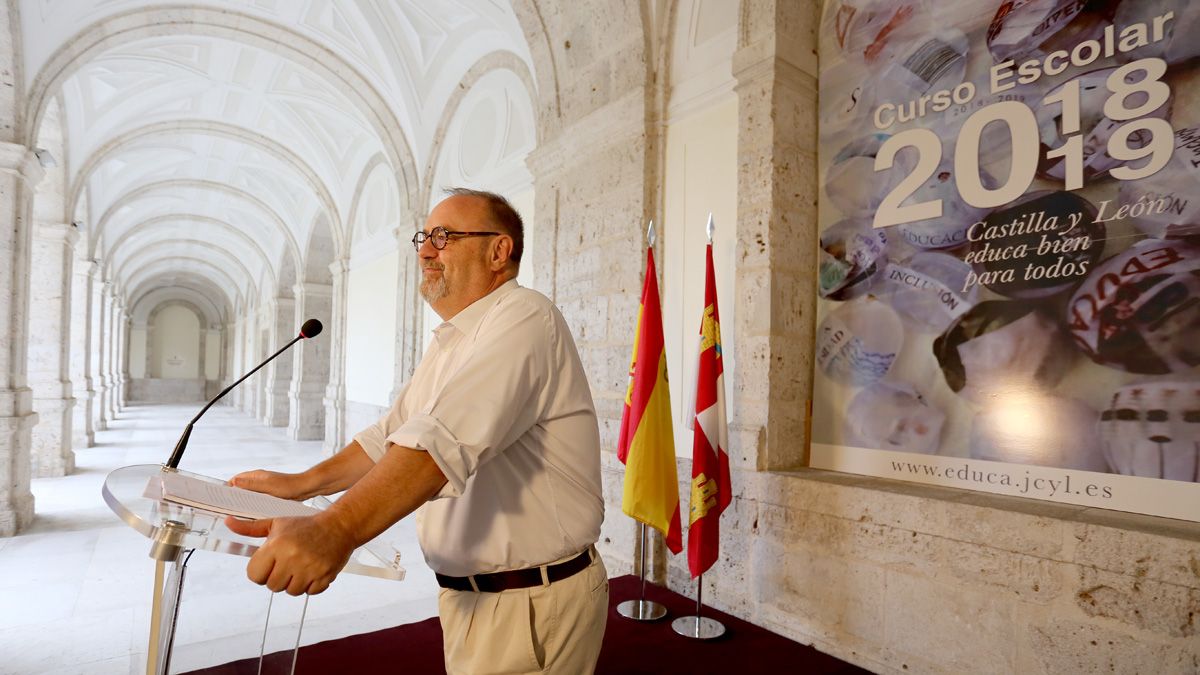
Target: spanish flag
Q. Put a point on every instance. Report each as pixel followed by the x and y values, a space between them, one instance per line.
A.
pixel 647 445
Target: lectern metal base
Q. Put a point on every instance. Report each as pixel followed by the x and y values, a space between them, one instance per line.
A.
pixel 641 610
pixel 698 627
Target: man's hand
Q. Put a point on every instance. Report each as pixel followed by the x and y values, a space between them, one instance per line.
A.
pixel 300 555
pixel 283 485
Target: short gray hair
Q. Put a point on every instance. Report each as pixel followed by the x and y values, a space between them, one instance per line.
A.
pixel 503 216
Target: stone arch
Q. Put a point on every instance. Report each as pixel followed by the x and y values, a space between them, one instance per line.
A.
pixel 142 305
pixel 360 188
pixel 499 60
pixel 227 257
pixel 545 65
pixel 218 129
pixel 131 26
pixel 273 218
pixel 156 270
pixel 286 281
pixel 250 244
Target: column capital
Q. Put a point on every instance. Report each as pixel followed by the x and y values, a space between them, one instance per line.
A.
pixel 339 267
pixel 20 160
pixel 312 288
pixel 86 268
pixel 759 63
pixel 67 233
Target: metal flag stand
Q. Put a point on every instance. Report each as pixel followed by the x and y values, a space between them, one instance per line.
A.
pixel 642 609
pixel 698 627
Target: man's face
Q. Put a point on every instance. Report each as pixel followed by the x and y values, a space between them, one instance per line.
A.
pixel 456 276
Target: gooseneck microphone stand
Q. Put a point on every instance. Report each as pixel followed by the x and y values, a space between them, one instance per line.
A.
pixel 311 328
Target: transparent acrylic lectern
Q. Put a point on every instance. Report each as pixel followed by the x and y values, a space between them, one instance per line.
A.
pixel 176 531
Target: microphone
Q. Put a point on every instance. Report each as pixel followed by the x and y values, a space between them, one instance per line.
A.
pixel 309 329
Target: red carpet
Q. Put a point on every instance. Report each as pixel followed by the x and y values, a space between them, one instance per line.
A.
pixel 630 647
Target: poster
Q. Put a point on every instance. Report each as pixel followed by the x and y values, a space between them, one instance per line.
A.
pixel 1009 263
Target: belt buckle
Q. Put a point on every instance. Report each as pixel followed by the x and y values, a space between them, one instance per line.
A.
pixel 471 580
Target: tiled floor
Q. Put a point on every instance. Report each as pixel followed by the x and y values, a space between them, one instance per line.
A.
pixel 75 586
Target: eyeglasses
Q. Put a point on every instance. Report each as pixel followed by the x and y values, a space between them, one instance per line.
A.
pixel 440 236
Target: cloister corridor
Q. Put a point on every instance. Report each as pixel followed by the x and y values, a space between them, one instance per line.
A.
pixel 78 571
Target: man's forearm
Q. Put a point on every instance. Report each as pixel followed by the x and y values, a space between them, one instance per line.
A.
pixel 401 481
pixel 339 472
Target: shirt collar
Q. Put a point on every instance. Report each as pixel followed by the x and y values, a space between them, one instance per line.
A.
pixel 468 319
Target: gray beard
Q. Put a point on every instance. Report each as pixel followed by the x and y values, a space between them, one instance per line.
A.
pixel 434 289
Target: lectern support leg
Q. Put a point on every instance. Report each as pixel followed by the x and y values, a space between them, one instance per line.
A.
pixel 164 603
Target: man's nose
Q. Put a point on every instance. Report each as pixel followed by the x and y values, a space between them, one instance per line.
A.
pixel 426 250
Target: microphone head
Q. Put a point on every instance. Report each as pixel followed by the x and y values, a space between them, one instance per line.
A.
pixel 311 328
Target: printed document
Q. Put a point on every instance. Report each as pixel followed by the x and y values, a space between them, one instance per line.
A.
pixel 219 498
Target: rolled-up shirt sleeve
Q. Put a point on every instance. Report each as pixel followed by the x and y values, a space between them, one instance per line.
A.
pixel 374 439
pixel 490 399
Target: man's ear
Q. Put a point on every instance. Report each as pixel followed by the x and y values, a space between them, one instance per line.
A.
pixel 501 252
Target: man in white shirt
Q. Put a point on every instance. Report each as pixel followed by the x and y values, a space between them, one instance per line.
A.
pixel 496 434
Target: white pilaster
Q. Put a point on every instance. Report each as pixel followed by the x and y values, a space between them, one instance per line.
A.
pixel 310 365
pixel 19 175
pixel 279 372
pixel 335 390
pixel 83 434
pixel 52 255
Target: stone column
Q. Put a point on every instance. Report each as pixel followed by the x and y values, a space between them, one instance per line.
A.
pixel 202 361
pixel 249 349
pixel 239 346
pixel 53 252
pixel 263 329
pixel 96 346
pixel 19 175
pixel 279 371
pixel 113 331
pixel 335 391
pixel 83 435
pixel 120 354
pixel 409 311
pixel 777 215
pixel 310 365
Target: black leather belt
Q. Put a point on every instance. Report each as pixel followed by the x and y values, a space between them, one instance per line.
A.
pixel 526 578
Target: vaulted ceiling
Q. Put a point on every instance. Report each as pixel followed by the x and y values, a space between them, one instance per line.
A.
pixel 206 143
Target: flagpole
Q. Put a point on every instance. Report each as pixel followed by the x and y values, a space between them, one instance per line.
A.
pixel 642 609
pixel 699 627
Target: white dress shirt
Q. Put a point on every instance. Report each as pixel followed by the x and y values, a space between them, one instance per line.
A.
pixel 501 403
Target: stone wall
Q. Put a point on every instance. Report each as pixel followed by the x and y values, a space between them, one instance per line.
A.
pixel 174 390
pixel 905 578
pixel 892 576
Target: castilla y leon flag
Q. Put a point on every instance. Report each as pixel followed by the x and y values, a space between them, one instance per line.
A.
pixel 646 445
pixel 710 460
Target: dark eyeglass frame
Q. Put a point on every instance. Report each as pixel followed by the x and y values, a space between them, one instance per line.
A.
pixel 443 235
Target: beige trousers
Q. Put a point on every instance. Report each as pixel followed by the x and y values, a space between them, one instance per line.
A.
pixel 544 629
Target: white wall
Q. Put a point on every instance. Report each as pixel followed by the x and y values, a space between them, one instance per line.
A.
pixel 701 177
pixel 523 203
pixel 371 328
pixel 137 352
pixel 176 349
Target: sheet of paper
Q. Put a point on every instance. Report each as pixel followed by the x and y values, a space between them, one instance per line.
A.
pixel 233 501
